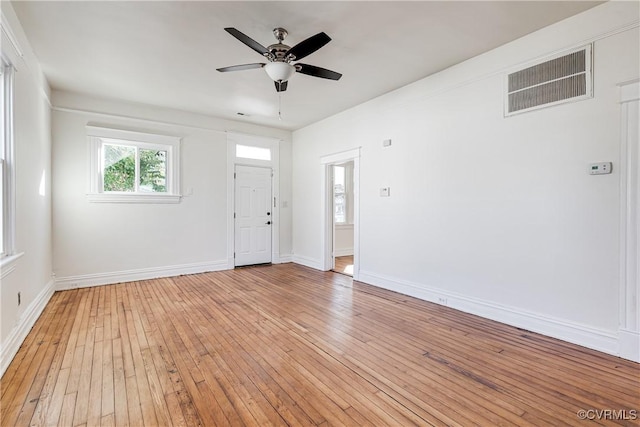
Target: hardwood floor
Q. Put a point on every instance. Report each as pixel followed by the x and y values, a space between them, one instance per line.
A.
pixel 344 265
pixel 287 345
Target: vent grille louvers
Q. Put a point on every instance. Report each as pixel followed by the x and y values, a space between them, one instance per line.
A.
pixel 562 79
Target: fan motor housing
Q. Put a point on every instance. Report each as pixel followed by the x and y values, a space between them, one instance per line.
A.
pixel 279 51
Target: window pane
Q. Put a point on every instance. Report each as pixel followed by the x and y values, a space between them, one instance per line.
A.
pixel 250 152
pixel 338 177
pixel 340 213
pixel 339 200
pixel 119 168
pixel 153 171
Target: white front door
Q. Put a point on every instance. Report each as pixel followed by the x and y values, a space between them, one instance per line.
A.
pixel 253 215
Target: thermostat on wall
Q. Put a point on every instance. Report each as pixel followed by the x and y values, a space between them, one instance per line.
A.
pixel 601 168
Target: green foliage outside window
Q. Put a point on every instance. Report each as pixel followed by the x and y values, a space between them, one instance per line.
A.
pixel 153 169
pixel 120 169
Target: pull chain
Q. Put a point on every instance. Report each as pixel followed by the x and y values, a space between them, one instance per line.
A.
pixel 279 105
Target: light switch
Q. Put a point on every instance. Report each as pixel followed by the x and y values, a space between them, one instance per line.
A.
pixel 385 192
pixel 386 143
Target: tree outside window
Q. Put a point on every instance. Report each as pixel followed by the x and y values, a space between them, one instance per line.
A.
pixel 122 164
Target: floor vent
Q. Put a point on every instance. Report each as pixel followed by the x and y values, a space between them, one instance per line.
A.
pixel 561 79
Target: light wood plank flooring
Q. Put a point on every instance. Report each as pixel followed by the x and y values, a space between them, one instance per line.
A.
pixel 344 265
pixel 287 345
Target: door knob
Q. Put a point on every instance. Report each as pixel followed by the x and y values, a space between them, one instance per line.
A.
pixel 268 222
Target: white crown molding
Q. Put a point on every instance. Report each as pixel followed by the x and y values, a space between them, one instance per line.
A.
pixel 14 340
pixel 6 29
pixel 133 118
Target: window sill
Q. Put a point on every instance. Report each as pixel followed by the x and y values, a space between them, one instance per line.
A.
pixel 133 198
pixel 8 264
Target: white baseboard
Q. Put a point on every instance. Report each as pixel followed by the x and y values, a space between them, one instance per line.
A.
pixel 343 252
pixel 629 345
pixel 108 278
pixel 282 259
pixel 583 335
pixel 24 324
pixel 307 262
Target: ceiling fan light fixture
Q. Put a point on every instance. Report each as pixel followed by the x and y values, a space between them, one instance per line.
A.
pixel 279 71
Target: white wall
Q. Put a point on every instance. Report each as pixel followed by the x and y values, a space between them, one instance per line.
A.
pixel 30 275
pixel 343 235
pixel 103 243
pixel 491 215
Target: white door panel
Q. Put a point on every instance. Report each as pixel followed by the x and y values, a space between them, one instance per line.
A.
pixel 253 216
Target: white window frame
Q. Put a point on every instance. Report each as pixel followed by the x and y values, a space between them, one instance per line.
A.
pixel 7 161
pixel 99 136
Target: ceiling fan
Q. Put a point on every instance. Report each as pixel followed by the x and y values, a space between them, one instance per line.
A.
pixel 281 58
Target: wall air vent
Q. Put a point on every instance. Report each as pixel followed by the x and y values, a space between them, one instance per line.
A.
pixel 561 79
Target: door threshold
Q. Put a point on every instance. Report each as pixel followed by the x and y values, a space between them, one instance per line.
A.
pixel 342 272
pixel 264 264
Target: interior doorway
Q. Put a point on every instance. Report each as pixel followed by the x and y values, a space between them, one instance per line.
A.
pixel 343 209
pixel 340 212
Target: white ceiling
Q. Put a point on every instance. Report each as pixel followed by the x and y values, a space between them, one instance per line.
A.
pixel 166 53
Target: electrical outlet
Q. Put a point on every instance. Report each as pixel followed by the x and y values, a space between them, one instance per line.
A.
pixel 19 299
pixel 442 301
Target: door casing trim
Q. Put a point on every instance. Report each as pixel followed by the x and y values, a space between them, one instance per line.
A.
pixel 327 207
pixel 234 138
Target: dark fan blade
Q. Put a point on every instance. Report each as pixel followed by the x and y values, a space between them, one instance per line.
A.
pixel 241 67
pixel 247 40
pixel 314 71
pixel 308 46
pixel 281 86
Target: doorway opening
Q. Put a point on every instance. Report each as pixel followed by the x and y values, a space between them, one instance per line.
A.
pixel 340 209
pixel 342 187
